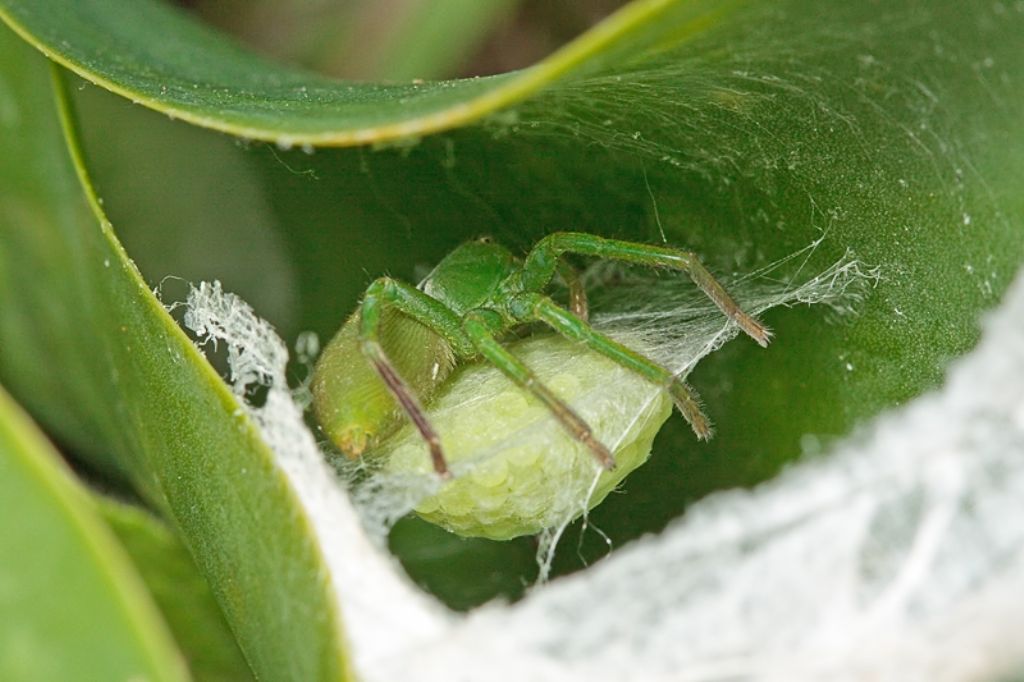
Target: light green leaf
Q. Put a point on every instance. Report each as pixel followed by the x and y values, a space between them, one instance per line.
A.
pixel 91 349
pixel 71 606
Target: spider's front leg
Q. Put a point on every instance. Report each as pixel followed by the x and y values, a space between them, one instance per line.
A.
pixel 543 260
pixel 531 307
pixel 431 313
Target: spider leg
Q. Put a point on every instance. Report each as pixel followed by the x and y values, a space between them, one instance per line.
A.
pixel 535 307
pixel 479 331
pixel 542 261
pixel 432 314
pixel 577 293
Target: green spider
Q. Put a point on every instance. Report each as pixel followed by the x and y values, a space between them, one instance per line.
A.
pixel 403 342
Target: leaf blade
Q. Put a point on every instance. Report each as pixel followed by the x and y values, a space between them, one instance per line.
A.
pixel 203 78
pixel 122 381
pixel 71 602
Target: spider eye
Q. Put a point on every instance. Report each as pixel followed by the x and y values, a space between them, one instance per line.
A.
pixel 486 239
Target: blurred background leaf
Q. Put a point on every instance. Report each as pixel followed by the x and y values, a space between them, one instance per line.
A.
pixel 363 40
pixel 405 39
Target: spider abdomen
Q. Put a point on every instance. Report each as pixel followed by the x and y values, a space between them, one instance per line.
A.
pixel 354 406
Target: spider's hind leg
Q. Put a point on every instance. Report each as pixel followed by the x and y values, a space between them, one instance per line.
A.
pixel 432 314
pixel 535 307
pixel 477 329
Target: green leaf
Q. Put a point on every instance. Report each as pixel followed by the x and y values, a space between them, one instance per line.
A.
pixel 71 606
pixel 895 131
pixel 181 594
pixel 90 349
pixel 154 54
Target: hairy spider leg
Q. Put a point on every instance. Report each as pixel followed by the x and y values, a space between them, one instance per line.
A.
pixel 536 307
pixel 577 293
pixel 477 328
pixel 432 314
pixel 542 261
